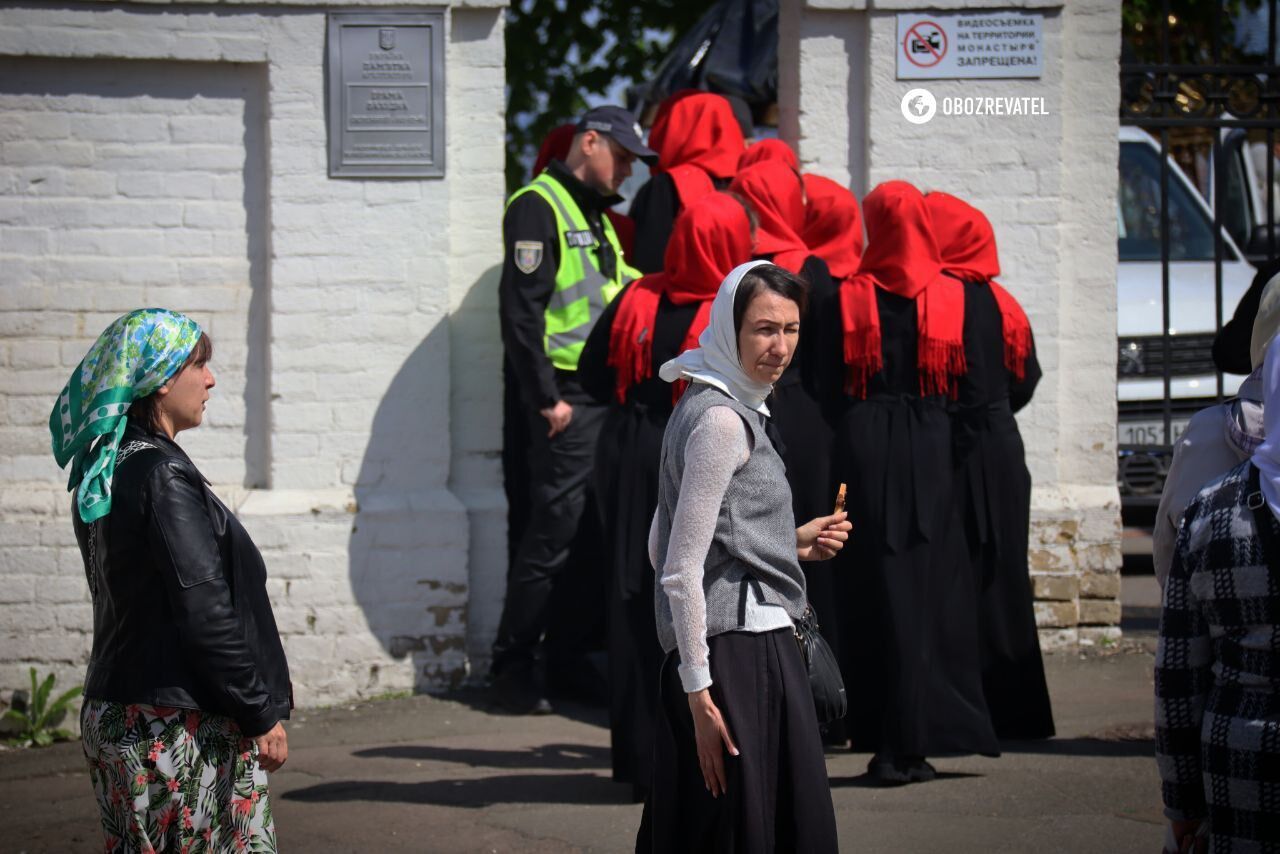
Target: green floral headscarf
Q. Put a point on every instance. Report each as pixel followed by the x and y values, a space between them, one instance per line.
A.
pixel 136 355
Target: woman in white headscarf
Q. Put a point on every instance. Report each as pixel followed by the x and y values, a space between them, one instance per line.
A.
pixel 1216 439
pixel 1217 677
pixel 738 761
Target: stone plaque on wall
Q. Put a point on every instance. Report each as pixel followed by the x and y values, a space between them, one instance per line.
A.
pixel 386 94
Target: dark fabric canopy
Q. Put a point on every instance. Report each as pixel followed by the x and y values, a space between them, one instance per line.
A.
pixel 732 50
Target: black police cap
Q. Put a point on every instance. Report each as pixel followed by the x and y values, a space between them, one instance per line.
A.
pixel 621 127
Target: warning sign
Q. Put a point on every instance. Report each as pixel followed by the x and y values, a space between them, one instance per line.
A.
pixel 973 45
pixel 925 44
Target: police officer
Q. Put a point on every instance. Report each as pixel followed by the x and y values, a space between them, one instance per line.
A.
pixel 563 264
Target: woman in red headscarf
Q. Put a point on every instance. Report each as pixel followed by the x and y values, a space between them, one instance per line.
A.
pixel 769 149
pixel 802 419
pixel 833 232
pixel 832 225
pixel 994 486
pixel 652 321
pixel 699 141
pixel 908 643
pixel 776 192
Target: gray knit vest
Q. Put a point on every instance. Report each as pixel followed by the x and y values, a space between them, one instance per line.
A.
pixel 754 548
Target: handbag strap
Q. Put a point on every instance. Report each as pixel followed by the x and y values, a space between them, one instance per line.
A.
pixel 1264 521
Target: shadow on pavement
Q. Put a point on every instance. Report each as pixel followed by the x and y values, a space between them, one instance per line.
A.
pixel 866 781
pixel 565 757
pixel 477 699
pixel 584 789
pixel 1107 748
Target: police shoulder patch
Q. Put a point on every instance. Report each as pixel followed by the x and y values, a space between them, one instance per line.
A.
pixel 528 255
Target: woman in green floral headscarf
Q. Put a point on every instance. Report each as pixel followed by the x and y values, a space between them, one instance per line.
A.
pixel 187 684
pixel 136 355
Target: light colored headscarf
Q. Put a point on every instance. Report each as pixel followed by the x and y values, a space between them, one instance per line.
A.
pixel 133 357
pixel 1267 321
pixel 715 362
pixel 1267 457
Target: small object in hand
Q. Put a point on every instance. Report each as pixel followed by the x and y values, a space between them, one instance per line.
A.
pixel 840 498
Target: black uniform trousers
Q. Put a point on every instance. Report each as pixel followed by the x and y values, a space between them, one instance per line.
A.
pixel 559 474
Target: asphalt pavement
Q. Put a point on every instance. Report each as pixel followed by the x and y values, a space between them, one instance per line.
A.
pixel 444 774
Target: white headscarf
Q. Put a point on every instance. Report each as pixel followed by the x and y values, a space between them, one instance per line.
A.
pixel 1267 457
pixel 715 361
pixel 1266 322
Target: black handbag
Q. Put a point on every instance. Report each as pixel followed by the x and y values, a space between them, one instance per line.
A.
pixel 829 699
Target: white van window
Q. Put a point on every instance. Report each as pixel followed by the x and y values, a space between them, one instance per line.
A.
pixel 1190 231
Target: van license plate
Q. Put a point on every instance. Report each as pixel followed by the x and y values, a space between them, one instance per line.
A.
pixel 1150 432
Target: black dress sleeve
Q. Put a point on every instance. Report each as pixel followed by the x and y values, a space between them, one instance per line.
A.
pixel 594 373
pixel 523 295
pixel 654 210
pixel 1231 345
pixel 182 543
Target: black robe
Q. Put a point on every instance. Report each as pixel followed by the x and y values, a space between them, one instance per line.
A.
pixel 908 642
pixel 994 495
pixel 801 421
pixel 626 487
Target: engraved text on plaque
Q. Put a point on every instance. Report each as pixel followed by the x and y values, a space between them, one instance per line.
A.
pixel 386 94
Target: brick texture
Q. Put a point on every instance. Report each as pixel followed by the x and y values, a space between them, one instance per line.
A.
pixel 1047 183
pixel 177 156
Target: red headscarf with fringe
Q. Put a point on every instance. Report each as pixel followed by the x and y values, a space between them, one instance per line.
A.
pixel 902 258
pixel 769 149
pixel 556 147
pixel 775 192
pixel 832 225
pixel 967 243
pixel 697 139
pixel 709 239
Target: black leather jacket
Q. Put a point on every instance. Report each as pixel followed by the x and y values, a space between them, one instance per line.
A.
pixel 181 616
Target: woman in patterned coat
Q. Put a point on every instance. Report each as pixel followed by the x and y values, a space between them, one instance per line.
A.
pixel 187 683
pixel 1217 679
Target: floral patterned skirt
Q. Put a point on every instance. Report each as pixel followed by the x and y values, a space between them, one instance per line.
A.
pixel 175 780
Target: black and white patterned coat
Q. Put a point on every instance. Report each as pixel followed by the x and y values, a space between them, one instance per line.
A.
pixel 1217 675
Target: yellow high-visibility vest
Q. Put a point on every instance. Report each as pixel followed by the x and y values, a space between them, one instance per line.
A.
pixel 582 290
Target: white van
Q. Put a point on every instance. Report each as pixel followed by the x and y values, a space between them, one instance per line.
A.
pixel 1144 449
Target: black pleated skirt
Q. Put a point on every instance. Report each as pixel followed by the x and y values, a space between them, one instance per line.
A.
pixel 778 797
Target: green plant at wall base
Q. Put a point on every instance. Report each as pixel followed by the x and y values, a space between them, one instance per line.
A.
pixel 36 720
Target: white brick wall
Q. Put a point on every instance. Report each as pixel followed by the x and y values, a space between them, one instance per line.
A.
pixel 186 165
pixel 1047 183
pixel 107 216
pixel 476 77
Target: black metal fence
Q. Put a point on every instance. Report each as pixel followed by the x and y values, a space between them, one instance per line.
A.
pixel 1211 129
